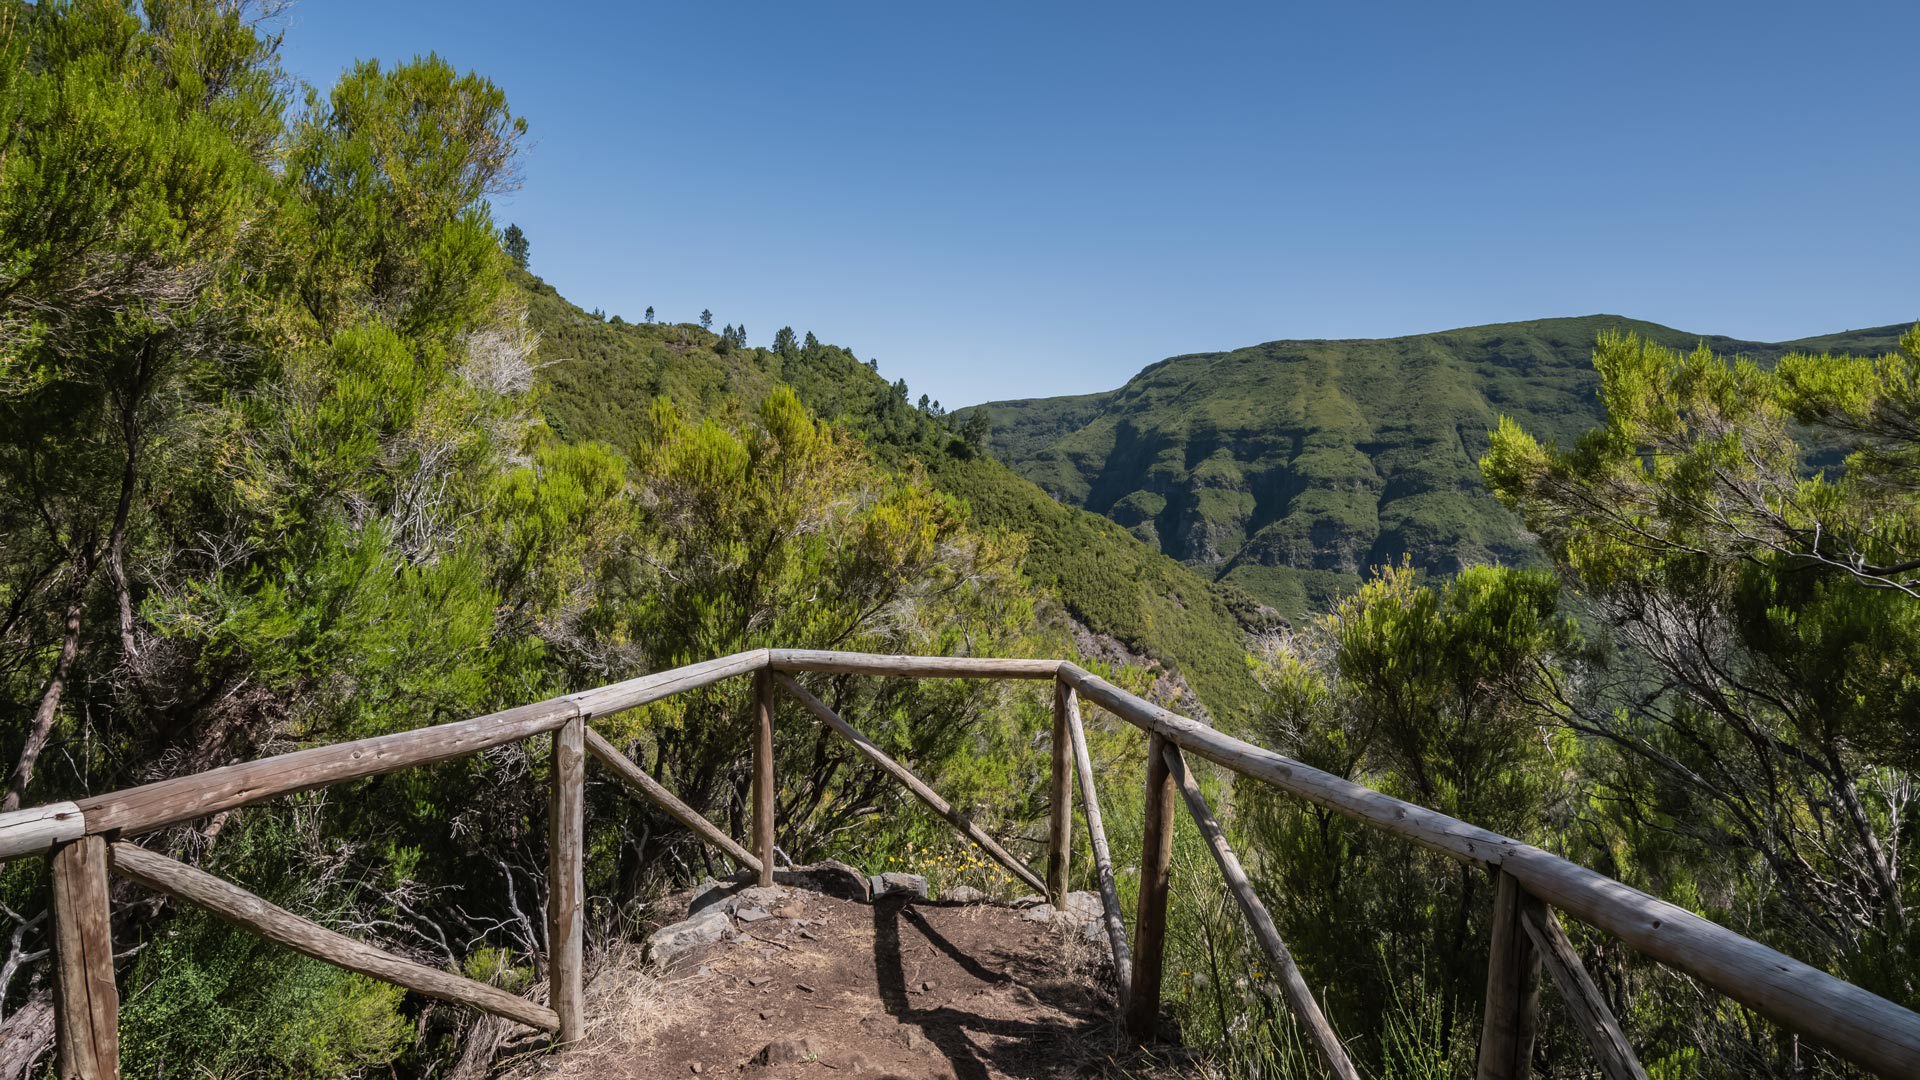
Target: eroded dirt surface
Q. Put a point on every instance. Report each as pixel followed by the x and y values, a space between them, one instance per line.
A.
pixel 806 985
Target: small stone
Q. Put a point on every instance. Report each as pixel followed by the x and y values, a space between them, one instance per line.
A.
pixel 1028 900
pixel 787 911
pixel 763 1015
pixel 916 1041
pixel 803 987
pixel 751 914
pixel 783 1052
pixel 925 986
pixel 962 894
pixel 696 1067
pixel 809 935
pixel 1041 912
pixel 759 980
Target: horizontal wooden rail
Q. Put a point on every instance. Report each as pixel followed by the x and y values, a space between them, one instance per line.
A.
pixel 636 777
pixel 183 798
pixel 36 829
pixel 918 667
pixel 913 783
pixel 633 693
pixel 1862 1027
pixel 242 908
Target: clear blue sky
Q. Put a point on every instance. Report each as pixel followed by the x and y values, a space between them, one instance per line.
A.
pixel 1022 199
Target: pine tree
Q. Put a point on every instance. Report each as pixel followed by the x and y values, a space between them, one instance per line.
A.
pixel 515 242
pixel 649 315
pixel 706 319
pixel 978 427
pixel 812 342
pixel 783 341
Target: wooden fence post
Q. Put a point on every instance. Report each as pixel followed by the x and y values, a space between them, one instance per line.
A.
pixel 1513 990
pixel 1060 832
pixel 1584 1001
pixel 1150 917
pixel 86 1001
pixel 763 775
pixel 566 921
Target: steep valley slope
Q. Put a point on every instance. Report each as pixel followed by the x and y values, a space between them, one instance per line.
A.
pixel 1126 600
pixel 1292 467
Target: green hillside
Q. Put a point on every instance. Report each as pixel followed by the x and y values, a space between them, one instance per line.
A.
pixel 599 374
pixel 1292 467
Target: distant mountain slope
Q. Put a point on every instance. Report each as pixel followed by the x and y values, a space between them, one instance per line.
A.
pixel 600 375
pixel 1291 467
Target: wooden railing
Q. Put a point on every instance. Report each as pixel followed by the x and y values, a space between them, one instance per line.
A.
pixel 88 840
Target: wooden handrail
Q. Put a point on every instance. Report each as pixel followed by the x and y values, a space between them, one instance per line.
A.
pixel 183 798
pixel 1861 1027
pixel 915 667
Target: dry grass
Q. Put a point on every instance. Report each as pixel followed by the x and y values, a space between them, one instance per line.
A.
pixel 628 1006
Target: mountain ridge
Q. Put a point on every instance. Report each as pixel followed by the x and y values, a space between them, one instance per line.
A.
pixel 1292 466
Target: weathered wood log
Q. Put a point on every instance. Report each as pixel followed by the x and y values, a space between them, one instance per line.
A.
pixel 636 778
pixel 243 909
pixel 1428 828
pixel 1293 985
pixel 919 667
pixel 1862 1027
pixel 632 693
pixel 566 881
pixel 1590 1012
pixel 153 806
pixel 1150 914
pixel 913 783
pixel 763 790
pixel 86 1000
pixel 39 828
pixel 1512 1015
pixel 1060 794
pixel 1102 855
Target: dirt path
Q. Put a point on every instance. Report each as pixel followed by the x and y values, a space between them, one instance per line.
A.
pixel 806 985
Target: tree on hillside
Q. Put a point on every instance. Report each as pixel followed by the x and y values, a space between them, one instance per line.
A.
pixel 649 314
pixel 784 343
pixel 977 429
pixel 706 319
pixel 812 342
pixel 515 243
pixel 129 201
pixel 1766 620
pixel 1430 693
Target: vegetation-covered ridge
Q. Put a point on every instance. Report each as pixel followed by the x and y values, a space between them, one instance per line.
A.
pixel 600 373
pixel 1293 467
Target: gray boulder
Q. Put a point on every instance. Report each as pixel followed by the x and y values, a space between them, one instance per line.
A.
pixel 893 884
pixel 674 940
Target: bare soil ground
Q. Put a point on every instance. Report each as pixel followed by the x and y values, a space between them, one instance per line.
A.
pixel 814 986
